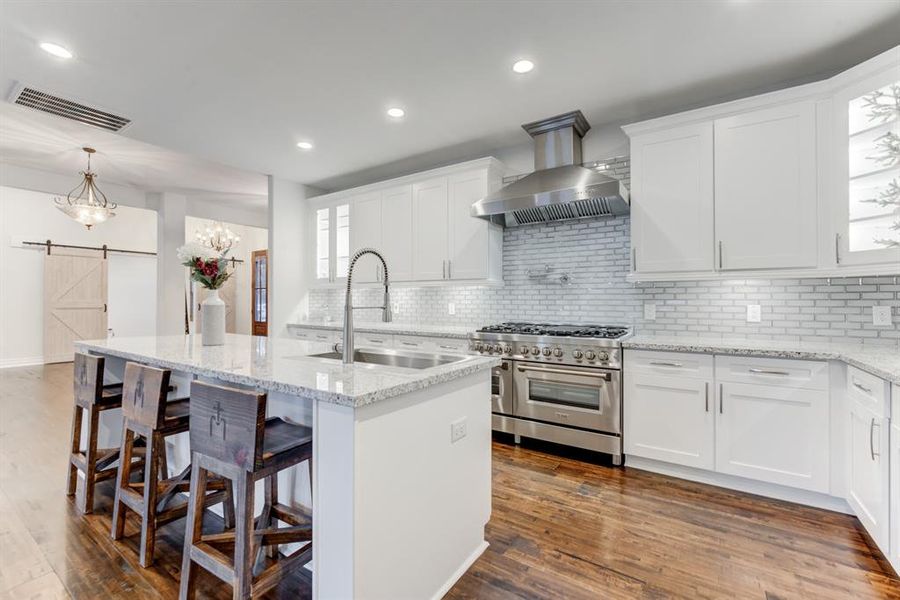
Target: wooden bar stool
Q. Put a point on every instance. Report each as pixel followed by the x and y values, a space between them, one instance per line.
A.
pixel 231 437
pixel 93 397
pixel 147 413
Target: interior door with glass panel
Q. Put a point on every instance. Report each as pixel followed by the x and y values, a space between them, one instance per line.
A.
pixel 578 397
pixel 259 291
pixel 867 117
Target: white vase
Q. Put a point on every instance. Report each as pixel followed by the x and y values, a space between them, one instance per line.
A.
pixel 212 326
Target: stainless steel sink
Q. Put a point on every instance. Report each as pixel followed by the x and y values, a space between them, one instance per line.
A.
pixel 393 358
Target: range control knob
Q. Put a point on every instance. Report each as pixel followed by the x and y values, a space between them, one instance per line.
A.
pixel 577 354
pixel 498 348
pixel 557 352
pixel 479 347
pixel 546 351
pixel 603 355
pixel 590 355
pixel 523 350
pixel 535 350
pixel 507 349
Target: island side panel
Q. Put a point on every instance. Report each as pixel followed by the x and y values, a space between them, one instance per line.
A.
pixel 333 499
pixel 421 500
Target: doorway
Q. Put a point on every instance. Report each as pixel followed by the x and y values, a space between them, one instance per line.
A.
pixel 259 283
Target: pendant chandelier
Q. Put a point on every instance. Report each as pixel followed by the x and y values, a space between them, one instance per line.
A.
pixel 218 237
pixel 86 203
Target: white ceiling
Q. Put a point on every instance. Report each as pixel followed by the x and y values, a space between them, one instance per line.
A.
pixel 242 82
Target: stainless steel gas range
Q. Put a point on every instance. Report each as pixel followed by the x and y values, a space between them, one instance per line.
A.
pixel 559 383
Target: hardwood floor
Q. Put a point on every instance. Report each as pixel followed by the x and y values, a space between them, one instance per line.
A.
pixel 561 528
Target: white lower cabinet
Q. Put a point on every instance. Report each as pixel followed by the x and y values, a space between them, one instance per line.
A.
pixel 669 418
pixel 773 433
pixel 894 517
pixel 869 489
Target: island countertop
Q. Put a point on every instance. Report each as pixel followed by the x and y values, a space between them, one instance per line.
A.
pixel 283 365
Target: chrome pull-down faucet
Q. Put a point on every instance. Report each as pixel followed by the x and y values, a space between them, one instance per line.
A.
pixel 386 315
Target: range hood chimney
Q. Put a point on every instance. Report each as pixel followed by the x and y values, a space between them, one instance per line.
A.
pixel 560 188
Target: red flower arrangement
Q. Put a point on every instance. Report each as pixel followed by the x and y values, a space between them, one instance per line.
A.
pixel 207 268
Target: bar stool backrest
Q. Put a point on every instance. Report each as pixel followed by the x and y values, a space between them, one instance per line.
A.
pixel 228 424
pixel 88 379
pixel 144 392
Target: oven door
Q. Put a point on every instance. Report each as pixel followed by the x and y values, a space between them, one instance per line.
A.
pixel 502 388
pixel 588 398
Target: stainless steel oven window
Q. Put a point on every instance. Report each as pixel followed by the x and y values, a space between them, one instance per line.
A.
pixel 567 394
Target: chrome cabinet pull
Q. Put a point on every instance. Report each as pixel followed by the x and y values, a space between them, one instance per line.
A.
pixel 872 440
pixel 721 399
pixel 707 396
pixel 448 347
pixel 720 254
pixel 605 376
pixel 410 344
pixel 837 248
pixel 443 269
pixel 449 265
pixel 862 387
pixel 634 259
pixel 768 372
pixel 666 364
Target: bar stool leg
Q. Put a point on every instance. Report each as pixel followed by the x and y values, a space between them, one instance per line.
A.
pixel 148 520
pixel 122 479
pixel 243 539
pixel 193 529
pixel 90 457
pixel 228 505
pixel 72 477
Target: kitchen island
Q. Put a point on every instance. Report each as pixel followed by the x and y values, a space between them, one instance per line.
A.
pixel 401 486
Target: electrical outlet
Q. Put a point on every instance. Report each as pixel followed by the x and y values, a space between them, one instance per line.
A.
pixel 451 308
pixel 396 308
pixel 649 311
pixel 754 313
pixel 881 316
pixel 458 430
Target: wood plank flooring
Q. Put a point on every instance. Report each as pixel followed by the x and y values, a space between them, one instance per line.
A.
pixel 562 527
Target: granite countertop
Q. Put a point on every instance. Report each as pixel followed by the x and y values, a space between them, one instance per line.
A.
pixel 883 361
pixel 429 329
pixel 283 365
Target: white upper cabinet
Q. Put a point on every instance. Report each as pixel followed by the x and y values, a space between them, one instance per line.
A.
pixel 422 224
pixel 765 188
pixel 397 228
pixel 430 235
pixel 365 232
pixel 672 207
pixel 867 167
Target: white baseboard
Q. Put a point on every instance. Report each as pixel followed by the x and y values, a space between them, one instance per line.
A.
pixel 27 361
pixel 442 591
pixel 760 488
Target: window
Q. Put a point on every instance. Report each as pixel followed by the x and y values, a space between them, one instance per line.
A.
pixel 323 242
pixel 332 242
pixel 260 292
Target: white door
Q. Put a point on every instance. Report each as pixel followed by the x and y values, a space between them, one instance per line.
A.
pixel 397 231
pixel 868 495
pixel 765 188
pixel 894 518
pixel 75 291
pixel 365 232
pixel 773 433
pixel 430 229
pixel 672 200
pixel 468 236
pixel 669 418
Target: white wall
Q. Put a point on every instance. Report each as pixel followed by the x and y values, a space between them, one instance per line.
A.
pixel 252 239
pixel 31 215
pixel 131 295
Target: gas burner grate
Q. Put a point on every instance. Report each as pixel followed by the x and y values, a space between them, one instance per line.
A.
pixel 548 329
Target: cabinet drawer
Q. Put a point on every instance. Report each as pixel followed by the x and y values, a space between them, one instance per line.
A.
pixel 807 374
pixel 686 364
pixel 302 334
pixel 448 345
pixel 373 340
pixel 412 342
pixel 871 391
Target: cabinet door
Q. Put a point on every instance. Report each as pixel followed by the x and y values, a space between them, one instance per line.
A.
pixel 430 229
pixel 894 555
pixel 365 232
pixel 773 433
pixel 766 188
pixel 468 236
pixel 669 418
pixel 869 476
pixel 397 231
pixel 672 200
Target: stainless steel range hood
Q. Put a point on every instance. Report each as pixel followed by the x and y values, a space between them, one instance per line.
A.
pixel 560 188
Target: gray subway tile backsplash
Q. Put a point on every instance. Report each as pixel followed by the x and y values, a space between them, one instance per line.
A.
pixel 595 255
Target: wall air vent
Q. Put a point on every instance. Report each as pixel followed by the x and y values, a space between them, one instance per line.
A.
pixel 48 103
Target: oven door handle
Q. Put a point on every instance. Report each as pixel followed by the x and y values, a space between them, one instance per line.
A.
pixel 605 376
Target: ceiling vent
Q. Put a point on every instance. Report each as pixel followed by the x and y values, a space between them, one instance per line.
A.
pixel 48 103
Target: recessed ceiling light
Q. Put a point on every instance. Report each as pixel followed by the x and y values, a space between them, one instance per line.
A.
pixel 55 50
pixel 396 113
pixel 523 66
pixel 305 145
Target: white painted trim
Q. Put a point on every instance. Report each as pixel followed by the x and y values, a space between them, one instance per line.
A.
pixel 835 272
pixel 488 162
pixel 476 554
pixel 341 284
pixel 759 488
pixel 28 361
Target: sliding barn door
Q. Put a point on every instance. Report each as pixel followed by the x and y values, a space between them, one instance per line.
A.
pixel 75 286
